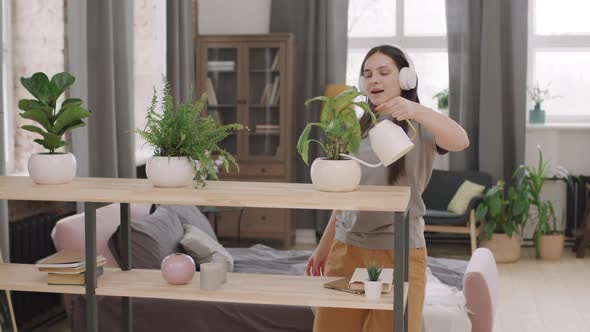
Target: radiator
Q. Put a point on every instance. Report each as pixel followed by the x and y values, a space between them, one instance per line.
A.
pixel 30 240
pixel 577 196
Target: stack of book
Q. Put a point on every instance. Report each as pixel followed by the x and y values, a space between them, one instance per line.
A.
pixel 67 267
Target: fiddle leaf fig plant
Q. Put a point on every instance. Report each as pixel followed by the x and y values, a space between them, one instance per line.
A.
pixel 339 124
pixel 53 123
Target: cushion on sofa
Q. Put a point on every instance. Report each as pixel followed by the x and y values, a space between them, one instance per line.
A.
pixel 437 217
pixel 190 214
pixel 202 247
pixel 153 237
pixel 466 192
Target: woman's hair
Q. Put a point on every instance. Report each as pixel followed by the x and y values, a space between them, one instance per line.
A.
pixel 397 168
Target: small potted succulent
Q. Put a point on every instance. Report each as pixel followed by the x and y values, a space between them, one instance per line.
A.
pixel 185 142
pixel 373 285
pixel 341 135
pixel 52 167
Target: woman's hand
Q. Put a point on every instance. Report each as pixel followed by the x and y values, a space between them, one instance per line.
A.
pixel 316 264
pixel 400 108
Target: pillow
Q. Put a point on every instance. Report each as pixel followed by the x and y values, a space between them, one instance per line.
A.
pixel 190 214
pixel 153 237
pixel 467 191
pixel 201 247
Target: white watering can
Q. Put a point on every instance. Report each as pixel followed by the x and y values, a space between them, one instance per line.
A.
pixel 388 141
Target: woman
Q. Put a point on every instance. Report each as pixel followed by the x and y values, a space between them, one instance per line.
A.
pixel 352 238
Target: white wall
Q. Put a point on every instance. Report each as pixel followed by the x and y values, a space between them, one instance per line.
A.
pixel 565 145
pixel 233 16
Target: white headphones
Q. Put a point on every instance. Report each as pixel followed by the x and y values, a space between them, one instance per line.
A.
pixel 408 78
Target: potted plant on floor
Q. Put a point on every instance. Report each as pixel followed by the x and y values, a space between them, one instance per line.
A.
pixel 504 211
pixel 548 239
pixel 341 135
pixel 184 142
pixel 51 167
pixel 373 285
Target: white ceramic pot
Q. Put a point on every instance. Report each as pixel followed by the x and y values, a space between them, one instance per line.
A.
pixel 169 172
pixel 373 289
pixel 52 168
pixel 335 175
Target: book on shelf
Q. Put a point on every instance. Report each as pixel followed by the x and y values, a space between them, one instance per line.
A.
pixel 265 93
pixel 355 283
pixel 100 261
pixel 211 95
pixel 65 259
pixel 274 94
pixel 71 279
pixel 275 62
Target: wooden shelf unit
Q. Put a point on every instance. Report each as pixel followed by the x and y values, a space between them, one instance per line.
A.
pixel 242 288
pixel 259 90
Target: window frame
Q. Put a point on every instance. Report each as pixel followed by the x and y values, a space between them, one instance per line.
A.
pixel 8 91
pixel 548 43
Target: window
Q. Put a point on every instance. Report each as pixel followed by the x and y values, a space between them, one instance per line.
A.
pixel 418 26
pixel 559 34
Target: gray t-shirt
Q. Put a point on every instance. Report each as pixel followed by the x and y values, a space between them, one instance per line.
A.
pixel 374 230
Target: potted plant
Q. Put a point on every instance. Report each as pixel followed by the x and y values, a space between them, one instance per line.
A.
pixel 442 99
pixel 51 167
pixel 548 239
pixel 504 210
pixel 373 285
pixel 184 142
pixel 538 95
pixel 341 135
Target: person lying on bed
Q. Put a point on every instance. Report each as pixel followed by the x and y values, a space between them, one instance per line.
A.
pixel 351 238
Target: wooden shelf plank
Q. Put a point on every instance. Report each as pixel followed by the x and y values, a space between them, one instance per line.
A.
pixel 240 288
pixel 216 193
pixel 26 277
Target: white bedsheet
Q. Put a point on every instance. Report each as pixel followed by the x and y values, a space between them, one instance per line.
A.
pixel 444 308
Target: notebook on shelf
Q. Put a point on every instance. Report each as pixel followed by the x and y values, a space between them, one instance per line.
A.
pixel 65 259
pixel 355 283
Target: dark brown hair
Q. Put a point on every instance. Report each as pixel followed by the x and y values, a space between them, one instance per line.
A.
pixel 397 168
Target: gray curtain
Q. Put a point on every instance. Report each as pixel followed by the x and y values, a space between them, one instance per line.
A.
pixel 180 53
pixel 4 234
pixel 100 56
pixel 487 82
pixel 320 29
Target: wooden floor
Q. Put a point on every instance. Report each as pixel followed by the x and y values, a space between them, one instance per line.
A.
pixel 544 296
pixel 535 296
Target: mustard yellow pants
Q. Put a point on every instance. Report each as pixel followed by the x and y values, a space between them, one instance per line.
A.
pixel 342 261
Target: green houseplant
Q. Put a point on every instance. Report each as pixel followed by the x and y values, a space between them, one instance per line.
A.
pixel 184 141
pixel 538 96
pixel 442 99
pixel 341 134
pixel 505 212
pixel 52 167
pixel 548 239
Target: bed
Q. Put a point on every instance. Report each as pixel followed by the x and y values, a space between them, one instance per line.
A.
pixel 460 295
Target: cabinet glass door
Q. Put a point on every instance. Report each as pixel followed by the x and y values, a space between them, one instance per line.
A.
pixel 222 87
pixel 264 102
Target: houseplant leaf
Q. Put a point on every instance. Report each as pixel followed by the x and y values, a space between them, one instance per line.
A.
pixel 38 86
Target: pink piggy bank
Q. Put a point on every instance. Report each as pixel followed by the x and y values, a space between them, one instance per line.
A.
pixel 178 269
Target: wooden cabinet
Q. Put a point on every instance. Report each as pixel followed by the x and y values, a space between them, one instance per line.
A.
pixel 250 80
